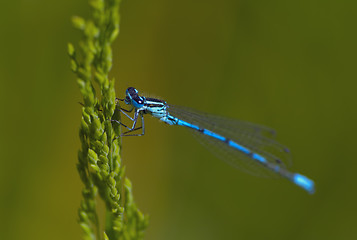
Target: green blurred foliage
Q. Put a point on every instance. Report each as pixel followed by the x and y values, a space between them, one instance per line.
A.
pixel 289 65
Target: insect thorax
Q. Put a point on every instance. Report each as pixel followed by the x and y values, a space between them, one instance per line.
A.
pixel 155 107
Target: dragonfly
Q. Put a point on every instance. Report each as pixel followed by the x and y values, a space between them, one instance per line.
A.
pixel 244 145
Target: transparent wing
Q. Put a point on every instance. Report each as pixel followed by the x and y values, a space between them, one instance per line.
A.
pixel 257 138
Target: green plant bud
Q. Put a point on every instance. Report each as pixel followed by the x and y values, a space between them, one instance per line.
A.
pixel 91 30
pixel 98 146
pixel 71 50
pixel 105 150
pixel 103 159
pixel 94 167
pixel 78 22
pixel 74 66
pixel 93 157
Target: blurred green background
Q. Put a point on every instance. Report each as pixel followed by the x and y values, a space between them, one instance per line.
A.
pixel 290 65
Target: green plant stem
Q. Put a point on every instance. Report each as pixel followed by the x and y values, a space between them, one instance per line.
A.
pixel 99 163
